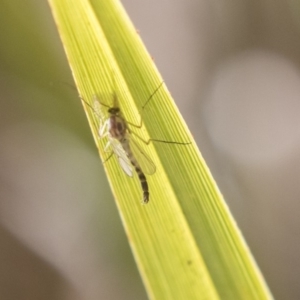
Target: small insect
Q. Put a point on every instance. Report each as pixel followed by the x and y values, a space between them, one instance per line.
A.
pixel 129 154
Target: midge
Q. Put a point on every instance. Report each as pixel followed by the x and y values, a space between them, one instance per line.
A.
pixel 125 148
pixel 115 127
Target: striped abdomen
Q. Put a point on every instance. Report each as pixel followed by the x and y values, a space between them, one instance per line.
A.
pixel 138 170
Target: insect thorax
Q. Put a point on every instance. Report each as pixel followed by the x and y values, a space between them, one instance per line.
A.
pixel 117 127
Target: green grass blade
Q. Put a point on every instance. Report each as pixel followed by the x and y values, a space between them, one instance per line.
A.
pixel 185 242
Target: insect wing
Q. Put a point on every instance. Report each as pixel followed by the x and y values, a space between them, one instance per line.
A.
pixel 99 110
pixel 100 113
pixel 122 156
pixel 145 162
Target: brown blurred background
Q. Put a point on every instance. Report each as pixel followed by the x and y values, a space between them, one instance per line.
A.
pixel 232 68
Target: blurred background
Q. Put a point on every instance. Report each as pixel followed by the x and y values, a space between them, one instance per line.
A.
pixel 233 70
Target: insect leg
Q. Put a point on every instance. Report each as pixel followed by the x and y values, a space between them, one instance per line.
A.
pixel 109 157
pixel 147 142
pixel 143 107
pixel 155 91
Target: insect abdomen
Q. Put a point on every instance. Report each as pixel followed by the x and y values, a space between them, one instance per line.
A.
pixel 144 184
pixel 139 171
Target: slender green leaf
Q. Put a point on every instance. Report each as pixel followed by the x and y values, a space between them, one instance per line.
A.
pixel 185 242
